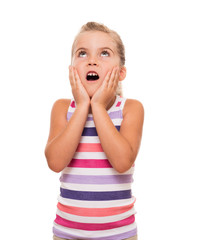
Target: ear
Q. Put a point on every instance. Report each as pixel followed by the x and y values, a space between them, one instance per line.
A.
pixel 123 72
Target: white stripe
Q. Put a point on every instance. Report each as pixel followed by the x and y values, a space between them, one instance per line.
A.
pixel 89 139
pixel 94 171
pixel 107 219
pixel 122 103
pixel 96 188
pixel 71 110
pixel 95 204
pixel 90 155
pixel 104 233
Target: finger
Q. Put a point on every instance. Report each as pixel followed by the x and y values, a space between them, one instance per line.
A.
pixel 71 76
pixel 107 77
pixel 115 83
pixel 112 78
pixel 77 78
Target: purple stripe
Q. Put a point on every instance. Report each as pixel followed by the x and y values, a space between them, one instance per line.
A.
pixel 69 114
pixel 95 196
pixel 129 234
pixel 90 119
pixel 116 114
pixel 91 131
pixel 112 115
pixel 104 179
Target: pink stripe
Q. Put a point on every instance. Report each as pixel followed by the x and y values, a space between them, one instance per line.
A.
pixel 73 104
pixel 89 147
pixel 94 226
pixel 90 163
pixel 118 104
pixel 94 212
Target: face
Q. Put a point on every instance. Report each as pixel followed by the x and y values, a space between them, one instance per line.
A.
pixel 94 55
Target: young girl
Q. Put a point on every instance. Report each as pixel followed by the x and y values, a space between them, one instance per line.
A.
pixel 94 140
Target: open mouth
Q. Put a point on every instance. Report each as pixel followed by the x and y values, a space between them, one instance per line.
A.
pixel 92 76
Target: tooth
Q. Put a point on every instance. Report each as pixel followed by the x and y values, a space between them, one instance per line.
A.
pixel 92 74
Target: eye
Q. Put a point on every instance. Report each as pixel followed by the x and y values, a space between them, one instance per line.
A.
pixel 82 54
pixel 105 53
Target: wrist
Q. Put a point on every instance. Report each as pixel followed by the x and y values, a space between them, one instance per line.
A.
pixel 97 105
pixel 83 105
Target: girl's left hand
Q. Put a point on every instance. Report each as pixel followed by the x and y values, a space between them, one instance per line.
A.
pixel 107 90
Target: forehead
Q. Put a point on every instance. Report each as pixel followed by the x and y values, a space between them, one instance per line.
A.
pixel 95 39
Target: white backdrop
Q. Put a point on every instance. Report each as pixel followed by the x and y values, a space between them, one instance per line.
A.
pixel 162 60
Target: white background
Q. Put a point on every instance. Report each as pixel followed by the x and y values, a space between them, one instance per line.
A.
pixel 161 40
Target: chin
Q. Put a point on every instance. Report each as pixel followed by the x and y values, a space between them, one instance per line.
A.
pixel 91 92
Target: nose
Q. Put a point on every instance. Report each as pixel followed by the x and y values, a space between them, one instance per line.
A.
pixel 92 61
pixel 92 64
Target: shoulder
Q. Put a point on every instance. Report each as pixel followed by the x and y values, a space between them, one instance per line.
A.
pixel 133 106
pixel 62 102
pixel 60 106
pixel 58 117
pixel 133 119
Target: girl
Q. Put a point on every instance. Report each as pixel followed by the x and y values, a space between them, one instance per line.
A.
pixel 94 140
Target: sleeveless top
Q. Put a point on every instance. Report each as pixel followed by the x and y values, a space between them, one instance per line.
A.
pixel 95 201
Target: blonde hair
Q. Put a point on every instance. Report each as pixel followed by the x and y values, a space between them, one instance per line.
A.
pixel 94 26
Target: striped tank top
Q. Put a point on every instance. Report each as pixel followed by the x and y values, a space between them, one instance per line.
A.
pixel 95 201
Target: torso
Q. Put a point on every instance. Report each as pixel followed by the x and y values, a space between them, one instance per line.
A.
pixel 95 202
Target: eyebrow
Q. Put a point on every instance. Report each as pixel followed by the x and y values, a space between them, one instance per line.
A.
pixel 82 48
pixel 107 48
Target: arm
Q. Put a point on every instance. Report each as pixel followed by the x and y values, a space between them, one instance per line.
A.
pixel 64 136
pixel 121 147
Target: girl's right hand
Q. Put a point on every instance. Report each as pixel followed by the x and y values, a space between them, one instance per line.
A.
pixel 79 92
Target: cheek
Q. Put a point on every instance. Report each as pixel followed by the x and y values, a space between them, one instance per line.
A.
pixel 109 68
pixel 75 61
pixel 80 72
pixel 78 65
